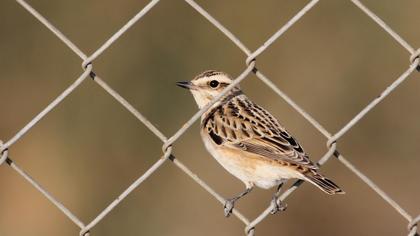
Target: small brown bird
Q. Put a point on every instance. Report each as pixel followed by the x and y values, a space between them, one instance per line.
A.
pixel 249 142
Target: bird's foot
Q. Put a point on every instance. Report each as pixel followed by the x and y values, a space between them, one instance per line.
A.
pixel 228 208
pixel 277 205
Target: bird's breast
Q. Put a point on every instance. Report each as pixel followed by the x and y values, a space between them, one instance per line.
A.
pixel 249 168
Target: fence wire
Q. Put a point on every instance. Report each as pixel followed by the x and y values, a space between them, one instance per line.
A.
pixel 168 142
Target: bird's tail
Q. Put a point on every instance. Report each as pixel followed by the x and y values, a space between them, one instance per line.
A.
pixel 323 183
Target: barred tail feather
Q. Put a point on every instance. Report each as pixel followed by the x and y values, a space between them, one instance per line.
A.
pixel 323 183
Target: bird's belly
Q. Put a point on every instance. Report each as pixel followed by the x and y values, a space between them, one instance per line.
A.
pixel 250 169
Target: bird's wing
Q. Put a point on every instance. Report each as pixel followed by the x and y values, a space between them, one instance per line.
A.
pixel 242 124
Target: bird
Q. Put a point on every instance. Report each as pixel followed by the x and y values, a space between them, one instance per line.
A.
pixel 249 142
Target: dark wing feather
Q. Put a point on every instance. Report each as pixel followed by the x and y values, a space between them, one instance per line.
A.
pixel 242 124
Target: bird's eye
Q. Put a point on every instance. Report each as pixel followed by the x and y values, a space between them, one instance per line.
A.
pixel 214 83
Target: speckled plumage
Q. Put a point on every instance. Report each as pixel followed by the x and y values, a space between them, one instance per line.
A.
pixel 247 140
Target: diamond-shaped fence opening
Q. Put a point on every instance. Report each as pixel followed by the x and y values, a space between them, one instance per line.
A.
pixel 168 142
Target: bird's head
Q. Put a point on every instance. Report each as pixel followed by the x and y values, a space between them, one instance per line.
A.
pixel 207 85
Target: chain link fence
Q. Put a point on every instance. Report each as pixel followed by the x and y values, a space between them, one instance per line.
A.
pixel 168 141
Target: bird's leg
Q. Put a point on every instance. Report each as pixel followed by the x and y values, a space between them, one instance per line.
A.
pixel 230 203
pixel 277 204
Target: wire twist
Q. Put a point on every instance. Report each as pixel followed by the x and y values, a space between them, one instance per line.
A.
pixel 413 226
pixel 415 56
pixel 4 152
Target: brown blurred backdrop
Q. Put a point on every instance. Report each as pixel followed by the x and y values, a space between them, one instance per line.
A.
pixel 333 62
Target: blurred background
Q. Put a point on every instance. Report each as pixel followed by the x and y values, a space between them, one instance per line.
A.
pixel 333 62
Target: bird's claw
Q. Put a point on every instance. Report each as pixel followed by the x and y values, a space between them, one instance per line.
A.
pixel 277 205
pixel 228 207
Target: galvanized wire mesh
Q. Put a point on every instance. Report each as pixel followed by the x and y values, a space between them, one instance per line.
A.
pixel 168 141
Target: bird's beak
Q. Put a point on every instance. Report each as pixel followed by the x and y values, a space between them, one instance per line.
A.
pixel 185 84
